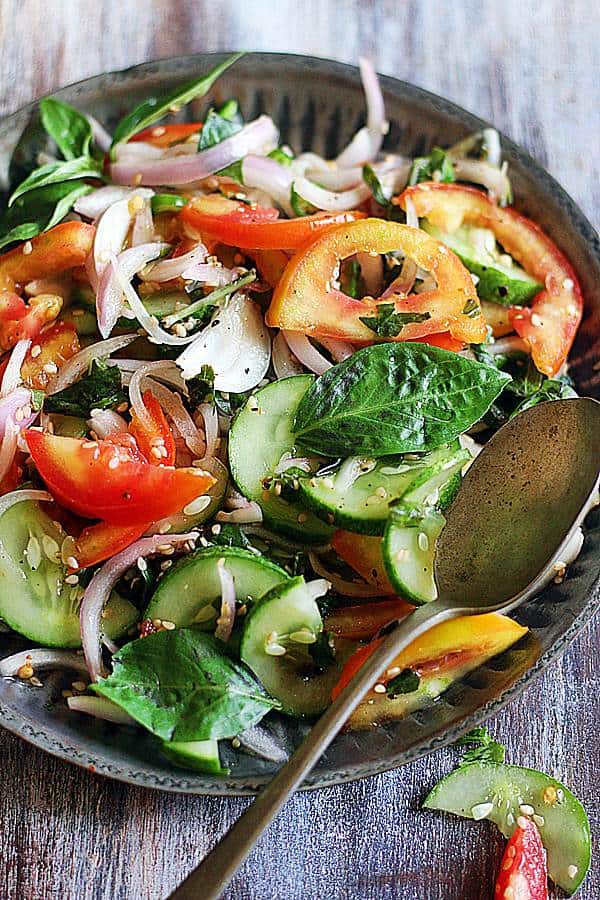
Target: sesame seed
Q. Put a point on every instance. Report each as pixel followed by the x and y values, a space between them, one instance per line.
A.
pixel 170 626
pixel 536 320
pixel 164 527
pixel 381 492
pixel 539 820
pixel 275 650
pixel 179 329
pixel 393 671
pixel 35 682
pixel 302 517
pixel 166 564
pixel 50 368
pixel 423 541
pixel 196 506
pixel 25 672
pixel 156 452
pixel 72 562
pixel 27 248
pixel 216 529
pixel 549 795
pixel 235 743
pixel 35 350
pixel 113 462
pixel 142 564
pixel 159 131
pixel 72 579
pixel 481 810
pixel 526 809
pixel 379 688
pixel 572 871
pixel 79 686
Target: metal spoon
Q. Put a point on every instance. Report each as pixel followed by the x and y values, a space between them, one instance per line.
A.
pixel 518 506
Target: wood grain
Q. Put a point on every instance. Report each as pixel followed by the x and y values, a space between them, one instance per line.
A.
pixel 534 70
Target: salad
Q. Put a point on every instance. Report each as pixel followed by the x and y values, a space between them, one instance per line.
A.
pixel 240 385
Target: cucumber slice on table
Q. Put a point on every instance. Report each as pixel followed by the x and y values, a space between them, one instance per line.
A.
pixel 409 551
pixel 202 756
pixel 190 593
pixel 276 639
pixel 260 434
pixel 34 598
pixel 499 792
pixel 501 280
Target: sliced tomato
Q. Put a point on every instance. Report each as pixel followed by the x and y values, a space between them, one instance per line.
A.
pixel 550 323
pixel 255 228
pixel 107 480
pixel 362 621
pixel 52 348
pixel 444 340
pixel 270 264
pixel 306 300
pixel 152 433
pixel 63 247
pixel 19 320
pixel 443 648
pixel 363 554
pixel 523 871
pixel 166 135
pixel 99 542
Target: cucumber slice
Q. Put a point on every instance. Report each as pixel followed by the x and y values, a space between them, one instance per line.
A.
pixel 69 426
pixel 496 792
pixel 409 551
pixel 181 523
pixel 260 434
pixel 501 280
pixel 358 495
pixel 275 645
pixel 190 593
pixel 202 756
pixel 83 320
pixel 34 598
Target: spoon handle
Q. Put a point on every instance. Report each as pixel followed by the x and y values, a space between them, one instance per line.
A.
pixel 210 878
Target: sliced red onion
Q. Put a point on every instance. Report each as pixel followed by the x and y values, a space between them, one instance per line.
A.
pixel 8 447
pixel 16 407
pixel 99 589
pixel 284 362
pixel 412 218
pixel 211 428
pixel 304 351
pixel 169 375
pixel 176 411
pixel 12 373
pixel 93 205
pixel 210 274
pixel 42 658
pixel 248 515
pixel 75 367
pixel 21 495
pixel 404 283
pixel 235 500
pixel 269 176
pixel 371 269
pixel 493 149
pixel 167 269
pixel 482 172
pixel 143 225
pixel 106 421
pixel 110 299
pixel 139 151
pixel 366 143
pixel 318 587
pixel 111 233
pixel 259 136
pixel 99 133
pixel 236 345
pixel 100 708
pixel 330 200
pixel 340 350
pixel 227 617
pixel 347 588
pixel 335 179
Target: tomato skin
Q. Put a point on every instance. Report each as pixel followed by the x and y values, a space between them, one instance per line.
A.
pixel 362 621
pixel 62 247
pixel 363 553
pixel 99 542
pixel 108 480
pixel 523 872
pixel 356 662
pixel 256 228
pixel 153 435
pixel 166 135
pixel 443 340
pixel 20 321
pixel 305 299
pixel 270 264
pixel 57 344
pixel 550 323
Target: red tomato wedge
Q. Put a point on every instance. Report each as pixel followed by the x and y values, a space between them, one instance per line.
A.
pixel 52 348
pixel 19 320
pixel 444 340
pixel 166 135
pixel 63 247
pixel 152 433
pixel 107 480
pixel 362 621
pixel 307 300
pixel 255 228
pixel 101 541
pixel 523 872
pixel 550 323
pixel 363 553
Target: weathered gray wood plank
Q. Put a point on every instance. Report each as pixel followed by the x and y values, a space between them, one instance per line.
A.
pixel 532 69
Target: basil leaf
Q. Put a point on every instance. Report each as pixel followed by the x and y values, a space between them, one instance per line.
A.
pixel 389 323
pixel 551 389
pixel 101 388
pixel 351 282
pixel 57 172
pixel 281 156
pixel 181 686
pixel 300 206
pixel 70 130
pixel 161 203
pixel 404 683
pixel 39 210
pixel 486 749
pixel 395 398
pixel 218 127
pixel 154 108
pixel 425 167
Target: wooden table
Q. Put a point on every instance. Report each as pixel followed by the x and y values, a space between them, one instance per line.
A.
pixel 532 69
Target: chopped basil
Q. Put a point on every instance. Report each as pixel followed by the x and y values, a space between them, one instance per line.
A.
pixel 485 749
pixel 404 683
pixel 57 173
pixel 101 388
pixel 389 323
pixel 351 281
pixel 39 209
pixel 70 129
pixel 425 168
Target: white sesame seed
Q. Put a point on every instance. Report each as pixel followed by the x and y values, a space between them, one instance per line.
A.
pixel 381 492
pixel 216 529
pixel 35 682
pixel 170 626
pixel 536 320
pixel 72 562
pixel 379 688
pixel 142 564
pixel 113 462
pixel 27 248
pixel 423 541
pixel 196 506
pixel 572 871
pixel 72 579
pixel 481 810
pixel 35 350
pixel 50 368
pixel 394 670
pixel 526 809
pixel 274 650
pixel 539 820
pixel 568 284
